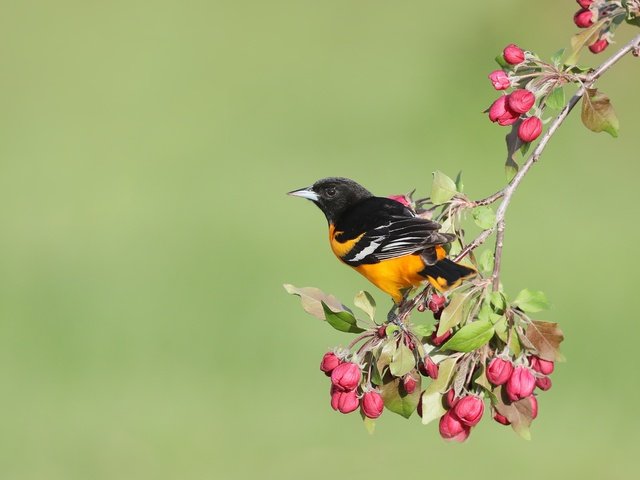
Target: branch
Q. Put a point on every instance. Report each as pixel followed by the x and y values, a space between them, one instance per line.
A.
pixel 508 191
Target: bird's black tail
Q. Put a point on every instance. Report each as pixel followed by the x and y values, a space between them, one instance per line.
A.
pixel 446 274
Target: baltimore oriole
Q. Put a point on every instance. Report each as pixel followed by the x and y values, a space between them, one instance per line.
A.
pixel 384 240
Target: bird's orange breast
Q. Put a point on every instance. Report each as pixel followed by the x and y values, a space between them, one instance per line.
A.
pixel 394 275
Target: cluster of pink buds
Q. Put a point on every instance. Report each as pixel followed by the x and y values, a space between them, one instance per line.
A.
pixel 520 381
pixel 511 108
pixel 605 16
pixel 462 414
pixel 587 16
pixel 347 393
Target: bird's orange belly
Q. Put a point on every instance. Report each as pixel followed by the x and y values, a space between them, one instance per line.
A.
pixel 395 274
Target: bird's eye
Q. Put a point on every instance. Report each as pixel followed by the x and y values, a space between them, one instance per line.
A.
pixel 331 192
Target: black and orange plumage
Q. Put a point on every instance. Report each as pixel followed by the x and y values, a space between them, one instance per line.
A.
pixel 384 240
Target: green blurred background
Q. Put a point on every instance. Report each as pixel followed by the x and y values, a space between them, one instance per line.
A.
pixel 145 151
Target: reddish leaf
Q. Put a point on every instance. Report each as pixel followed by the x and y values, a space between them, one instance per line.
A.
pixel 598 114
pixel 518 413
pixel 546 338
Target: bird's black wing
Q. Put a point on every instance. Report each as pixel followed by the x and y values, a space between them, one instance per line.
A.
pixel 396 237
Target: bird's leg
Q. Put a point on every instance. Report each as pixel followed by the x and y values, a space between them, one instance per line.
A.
pixel 398 309
pixel 392 315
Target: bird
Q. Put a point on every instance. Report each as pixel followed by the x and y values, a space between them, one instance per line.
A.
pixel 384 240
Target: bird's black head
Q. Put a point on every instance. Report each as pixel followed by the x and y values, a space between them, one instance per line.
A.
pixel 333 195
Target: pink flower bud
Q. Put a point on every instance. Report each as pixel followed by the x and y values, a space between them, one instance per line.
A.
pixel 346 376
pixel 513 55
pixel 521 100
pixel 534 407
pixel 372 404
pixel 500 112
pixel 540 365
pixel 401 199
pixel 451 428
pixel 436 302
pixel 421 307
pixel 499 371
pixel 501 419
pixel 584 3
pixel 500 80
pixel 469 410
pixel 437 341
pixel 599 46
pixel 543 383
pixel 348 401
pixel 428 368
pixel 329 362
pixel 409 383
pixel 583 18
pixel 521 383
pixel 450 398
pixel 335 397
pixel 530 129
pixel 498 108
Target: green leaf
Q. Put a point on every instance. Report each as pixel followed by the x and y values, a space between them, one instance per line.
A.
pixel 598 114
pixel 387 351
pixel 369 423
pixel 432 407
pixel 459 184
pixel 513 144
pixel 446 368
pixel 422 330
pixel 502 62
pixel 442 189
pixel 447 226
pixel 343 321
pixel 403 361
pixel 484 217
pixel 557 57
pixel 432 397
pixel 484 312
pixel 365 302
pixel 390 329
pixel 396 399
pixel 514 343
pixel 453 314
pixel 480 379
pixel 485 261
pixel 546 338
pixel 498 302
pixel 312 299
pixel 556 99
pixel 470 337
pixel 531 301
pixel 584 38
pixel 500 326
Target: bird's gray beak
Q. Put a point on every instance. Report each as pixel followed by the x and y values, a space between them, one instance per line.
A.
pixel 307 193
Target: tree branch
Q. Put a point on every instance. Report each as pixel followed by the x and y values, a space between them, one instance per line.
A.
pixel 508 191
